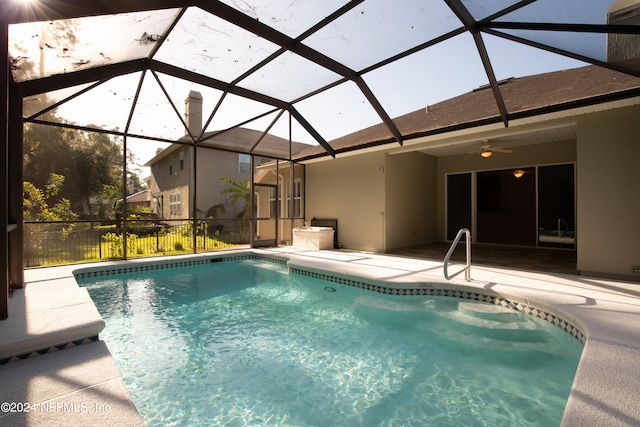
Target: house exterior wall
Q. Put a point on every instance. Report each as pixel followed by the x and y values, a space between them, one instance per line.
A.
pixel 351 190
pixel 411 200
pixel 167 178
pixel 609 192
pixel 212 166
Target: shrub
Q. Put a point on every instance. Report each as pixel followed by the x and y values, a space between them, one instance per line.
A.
pixel 115 247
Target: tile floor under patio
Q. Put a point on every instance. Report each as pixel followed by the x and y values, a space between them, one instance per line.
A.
pixel 519 258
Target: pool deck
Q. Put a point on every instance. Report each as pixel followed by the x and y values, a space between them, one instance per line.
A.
pixel 81 385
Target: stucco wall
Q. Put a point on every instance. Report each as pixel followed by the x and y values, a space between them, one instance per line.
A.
pixel 213 165
pixel 163 184
pixel 609 192
pixel 350 189
pixel 380 200
pixel 411 202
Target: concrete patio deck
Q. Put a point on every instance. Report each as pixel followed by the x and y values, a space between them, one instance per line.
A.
pixel 82 385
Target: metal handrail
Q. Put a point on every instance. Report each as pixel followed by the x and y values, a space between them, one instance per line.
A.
pixel 467 269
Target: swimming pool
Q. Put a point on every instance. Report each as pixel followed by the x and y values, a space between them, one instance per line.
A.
pixel 247 342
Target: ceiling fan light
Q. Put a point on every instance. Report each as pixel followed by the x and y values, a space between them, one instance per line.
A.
pixel 486 153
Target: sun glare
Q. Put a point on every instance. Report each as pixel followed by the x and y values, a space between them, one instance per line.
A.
pixel 28 6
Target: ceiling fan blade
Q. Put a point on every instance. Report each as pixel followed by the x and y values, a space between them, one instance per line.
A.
pixel 502 150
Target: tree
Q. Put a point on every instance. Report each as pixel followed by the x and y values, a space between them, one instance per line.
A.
pixel 36 202
pixel 239 192
pixel 97 161
pixel 45 151
pixel 134 171
pixel 214 210
pixel 89 161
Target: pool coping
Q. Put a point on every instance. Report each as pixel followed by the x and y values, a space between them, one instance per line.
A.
pixel 605 312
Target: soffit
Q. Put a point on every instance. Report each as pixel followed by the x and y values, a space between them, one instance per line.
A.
pixel 511 141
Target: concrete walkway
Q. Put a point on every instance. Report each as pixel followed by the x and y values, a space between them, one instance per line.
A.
pixel 81 385
pixel 55 371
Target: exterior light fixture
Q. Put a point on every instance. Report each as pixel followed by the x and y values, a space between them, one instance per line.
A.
pixel 518 173
pixel 486 153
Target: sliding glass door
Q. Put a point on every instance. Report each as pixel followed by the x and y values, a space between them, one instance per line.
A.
pixel 459 212
pixel 532 206
pixel 556 206
pixel 506 211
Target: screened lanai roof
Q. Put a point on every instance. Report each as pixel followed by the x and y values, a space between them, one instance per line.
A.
pixel 305 70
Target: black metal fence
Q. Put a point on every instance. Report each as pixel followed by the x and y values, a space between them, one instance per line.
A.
pixel 64 242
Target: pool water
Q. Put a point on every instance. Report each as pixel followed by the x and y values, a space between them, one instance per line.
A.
pixel 247 343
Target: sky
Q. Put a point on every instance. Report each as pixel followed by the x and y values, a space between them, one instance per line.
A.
pixel 437 73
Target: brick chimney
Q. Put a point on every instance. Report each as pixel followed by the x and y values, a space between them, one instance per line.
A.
pixel 193 112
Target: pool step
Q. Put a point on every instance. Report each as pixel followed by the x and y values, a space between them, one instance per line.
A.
pixel 489 311
pixel 470 313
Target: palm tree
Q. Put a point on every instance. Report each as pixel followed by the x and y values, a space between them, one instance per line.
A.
pixel 240 192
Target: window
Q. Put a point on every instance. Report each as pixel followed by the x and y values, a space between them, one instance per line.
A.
pixel 175 207
pixel 182 159
pixel 159 207
pixel 294 204
pixel 297 198
pixel 273 201
pixel 244 163
pixel 171 165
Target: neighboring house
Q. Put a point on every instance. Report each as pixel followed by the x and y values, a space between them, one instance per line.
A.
pixel 171 178
pixel 97 207
pixel 171 170
pixel 571 180
pixel 138 201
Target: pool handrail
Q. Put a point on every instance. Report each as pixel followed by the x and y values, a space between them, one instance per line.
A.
pixel 467 268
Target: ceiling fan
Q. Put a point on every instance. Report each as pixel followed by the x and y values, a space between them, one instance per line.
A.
pixel 487 150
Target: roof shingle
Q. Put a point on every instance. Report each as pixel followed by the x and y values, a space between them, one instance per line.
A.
pixel 523 96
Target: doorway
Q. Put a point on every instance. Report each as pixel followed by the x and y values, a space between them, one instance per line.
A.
pixel 556 206
pixel 506 211
pixel 265 212
pixel 459 212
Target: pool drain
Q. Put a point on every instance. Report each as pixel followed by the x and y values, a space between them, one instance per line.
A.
pixel 329 289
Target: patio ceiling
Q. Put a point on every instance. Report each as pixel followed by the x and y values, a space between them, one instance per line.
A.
pixel 334 66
